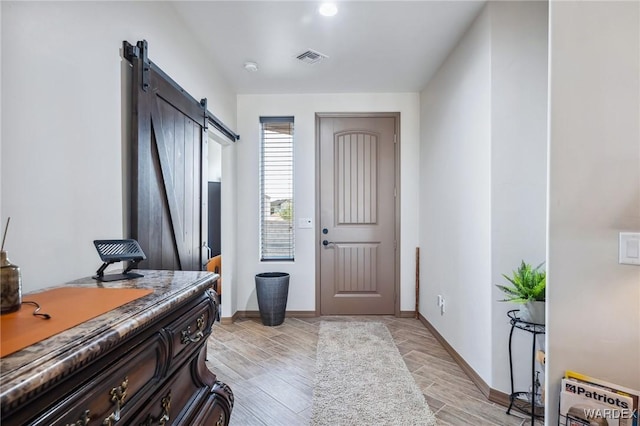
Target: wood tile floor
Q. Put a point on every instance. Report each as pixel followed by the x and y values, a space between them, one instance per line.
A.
pixel 271 372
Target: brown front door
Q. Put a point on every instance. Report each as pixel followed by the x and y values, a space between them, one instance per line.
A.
pixel 357 214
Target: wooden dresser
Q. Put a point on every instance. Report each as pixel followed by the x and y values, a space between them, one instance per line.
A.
pixel 140 364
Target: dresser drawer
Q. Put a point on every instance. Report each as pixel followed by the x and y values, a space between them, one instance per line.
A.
pixel 191 329
pixel 216 410
pixel 178 400
pixel 117 391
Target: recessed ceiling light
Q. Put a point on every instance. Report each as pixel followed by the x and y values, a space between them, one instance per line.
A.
pixel 251 66
pixel 328 9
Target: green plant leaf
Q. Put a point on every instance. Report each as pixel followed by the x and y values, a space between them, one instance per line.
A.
pixel 527 284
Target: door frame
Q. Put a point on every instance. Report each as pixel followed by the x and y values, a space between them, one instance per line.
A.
pixel 317 239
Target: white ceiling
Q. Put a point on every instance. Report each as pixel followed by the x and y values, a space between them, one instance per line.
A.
pixel 373 46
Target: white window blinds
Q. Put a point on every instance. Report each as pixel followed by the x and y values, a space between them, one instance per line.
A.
pixel 276 189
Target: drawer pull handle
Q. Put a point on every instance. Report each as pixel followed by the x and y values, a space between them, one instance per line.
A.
pixel 118 394
pixel 83 420
pixel 164 415
pixel 221 420
pixel 187 337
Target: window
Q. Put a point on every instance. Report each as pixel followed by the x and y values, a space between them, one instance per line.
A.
pixel 276 189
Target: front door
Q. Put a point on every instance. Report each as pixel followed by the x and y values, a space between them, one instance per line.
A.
pixel 357 191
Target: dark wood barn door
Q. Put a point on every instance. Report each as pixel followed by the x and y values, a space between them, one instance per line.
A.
pixel 168 171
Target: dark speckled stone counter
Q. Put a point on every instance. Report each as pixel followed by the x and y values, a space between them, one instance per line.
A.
pixel 25 372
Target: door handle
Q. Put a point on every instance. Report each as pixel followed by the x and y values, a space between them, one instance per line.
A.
pixel 326 243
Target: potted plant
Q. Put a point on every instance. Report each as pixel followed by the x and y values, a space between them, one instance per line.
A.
pixel 527 288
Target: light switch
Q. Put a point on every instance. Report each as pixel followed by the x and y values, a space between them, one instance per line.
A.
pixel 629 248
pixel 305 222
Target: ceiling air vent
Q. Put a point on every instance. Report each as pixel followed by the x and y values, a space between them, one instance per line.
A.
pixel 311 57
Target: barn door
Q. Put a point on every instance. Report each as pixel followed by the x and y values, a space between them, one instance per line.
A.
pixel 168 169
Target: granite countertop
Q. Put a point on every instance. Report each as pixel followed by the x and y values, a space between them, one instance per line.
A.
pixel 28 369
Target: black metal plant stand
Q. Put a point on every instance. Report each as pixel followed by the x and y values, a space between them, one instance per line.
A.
pixel 525 402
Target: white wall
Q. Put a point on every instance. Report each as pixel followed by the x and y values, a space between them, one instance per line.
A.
pixel 483 177
pixel 455 197
pixel 593 308
pixel 519 67
pixel 64 123
pixel 303 108
pixel 1 37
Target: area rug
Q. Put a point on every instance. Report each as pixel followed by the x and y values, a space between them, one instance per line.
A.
pixel 361 379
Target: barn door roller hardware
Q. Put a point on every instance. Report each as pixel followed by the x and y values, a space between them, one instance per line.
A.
pixel 140 50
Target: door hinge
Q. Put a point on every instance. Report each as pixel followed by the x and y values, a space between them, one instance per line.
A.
pixel 395 138
pixel 395 245
pixel 395 192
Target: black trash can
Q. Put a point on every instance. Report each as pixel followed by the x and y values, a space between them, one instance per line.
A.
pixel 272 289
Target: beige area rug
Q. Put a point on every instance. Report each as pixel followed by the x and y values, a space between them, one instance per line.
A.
pixel 361 379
